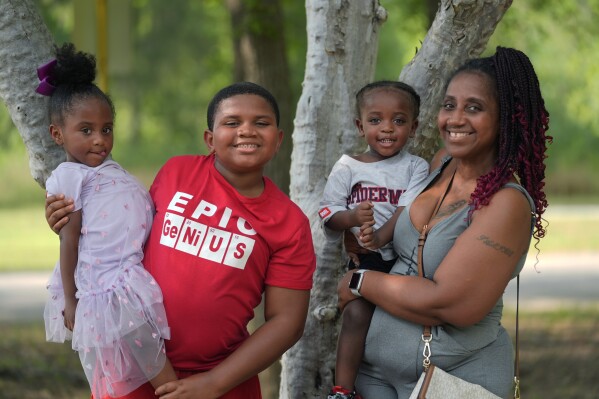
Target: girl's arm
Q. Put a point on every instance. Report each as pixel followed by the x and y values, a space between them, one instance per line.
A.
pixel 285 313
pixel 69 247
pixel 470 279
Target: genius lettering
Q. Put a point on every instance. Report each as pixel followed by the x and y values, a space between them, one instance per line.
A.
pixel 207 234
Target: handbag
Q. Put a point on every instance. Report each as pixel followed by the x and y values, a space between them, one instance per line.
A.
pixel 435 383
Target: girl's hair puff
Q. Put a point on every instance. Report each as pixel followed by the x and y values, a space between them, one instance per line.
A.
pixel 523 123
pixel 389 85
pixel 73 76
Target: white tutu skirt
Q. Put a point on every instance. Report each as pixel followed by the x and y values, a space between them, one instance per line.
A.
pixel 119 332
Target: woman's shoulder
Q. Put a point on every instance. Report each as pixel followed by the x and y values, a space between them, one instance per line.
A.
pixel 440 158
pixel 511 202
pixel 518 193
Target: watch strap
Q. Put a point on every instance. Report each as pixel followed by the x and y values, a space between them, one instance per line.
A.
pixel 356 289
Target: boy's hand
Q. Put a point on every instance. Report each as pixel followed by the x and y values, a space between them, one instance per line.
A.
pixel 57 209
pixel 363 214
pixel 196 386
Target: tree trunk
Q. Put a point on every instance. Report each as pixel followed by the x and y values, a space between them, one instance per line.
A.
pixel 261 57
pixel 341 38
pixel 25 44
pixel 460 31
pixel 342 46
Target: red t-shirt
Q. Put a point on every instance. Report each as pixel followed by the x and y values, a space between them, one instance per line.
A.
pixel 212 251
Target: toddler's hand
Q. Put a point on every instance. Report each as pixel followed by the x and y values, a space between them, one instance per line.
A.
pixel 369 238
pixel 363 214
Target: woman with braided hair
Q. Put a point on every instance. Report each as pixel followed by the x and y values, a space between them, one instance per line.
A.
pixel 477 214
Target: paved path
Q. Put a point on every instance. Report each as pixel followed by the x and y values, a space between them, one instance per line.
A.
pixel 559 280
pixel 22 296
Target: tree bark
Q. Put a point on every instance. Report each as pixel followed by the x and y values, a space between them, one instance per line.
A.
pixel 341 57
pixel 460 31
pixel 25 44
pixel 261 57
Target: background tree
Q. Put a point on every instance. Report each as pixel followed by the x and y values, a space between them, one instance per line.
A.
pixel 342 49
pixel 261 57
pixel 25 41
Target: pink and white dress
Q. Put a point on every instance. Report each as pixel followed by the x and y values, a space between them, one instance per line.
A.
pixel 120 322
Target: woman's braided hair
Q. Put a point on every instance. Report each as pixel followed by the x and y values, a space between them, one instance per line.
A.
pixel 523 123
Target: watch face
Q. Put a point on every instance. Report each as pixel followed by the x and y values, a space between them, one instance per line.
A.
pixel 355 279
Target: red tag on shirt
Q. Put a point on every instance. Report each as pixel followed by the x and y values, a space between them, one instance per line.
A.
pixel 324 212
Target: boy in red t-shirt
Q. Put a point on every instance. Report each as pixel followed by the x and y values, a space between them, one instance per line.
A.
pixel 223 235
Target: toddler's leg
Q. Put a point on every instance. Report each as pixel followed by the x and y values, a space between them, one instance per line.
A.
pixel 352 337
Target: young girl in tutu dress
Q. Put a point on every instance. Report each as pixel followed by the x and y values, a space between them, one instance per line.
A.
pixel 100 295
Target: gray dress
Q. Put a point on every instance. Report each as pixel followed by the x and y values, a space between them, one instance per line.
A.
pixel 481 353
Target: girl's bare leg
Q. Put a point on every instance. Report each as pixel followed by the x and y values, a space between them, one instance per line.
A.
pixel 167 374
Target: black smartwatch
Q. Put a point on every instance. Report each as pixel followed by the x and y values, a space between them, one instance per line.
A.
pixel 356 281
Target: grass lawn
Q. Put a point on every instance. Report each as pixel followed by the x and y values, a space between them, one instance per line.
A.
pixel 31 368
pixel 559 352
pixel 558 358
pixel 27 243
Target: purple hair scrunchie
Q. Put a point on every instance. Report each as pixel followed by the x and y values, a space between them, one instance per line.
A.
pixel 44 74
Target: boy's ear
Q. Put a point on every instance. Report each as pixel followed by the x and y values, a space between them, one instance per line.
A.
pixel 209 140
pixel 56 134
pixel 281 135
pixel 360 127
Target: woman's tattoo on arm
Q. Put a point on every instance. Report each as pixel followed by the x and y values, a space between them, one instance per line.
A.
pixel 495 245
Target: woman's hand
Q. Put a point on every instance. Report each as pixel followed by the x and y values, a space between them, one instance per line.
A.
pixel 343 291
pixel 352 247
pixel 57 210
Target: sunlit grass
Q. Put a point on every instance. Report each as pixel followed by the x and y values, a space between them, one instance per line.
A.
pixel 571 229
pixel 27 243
